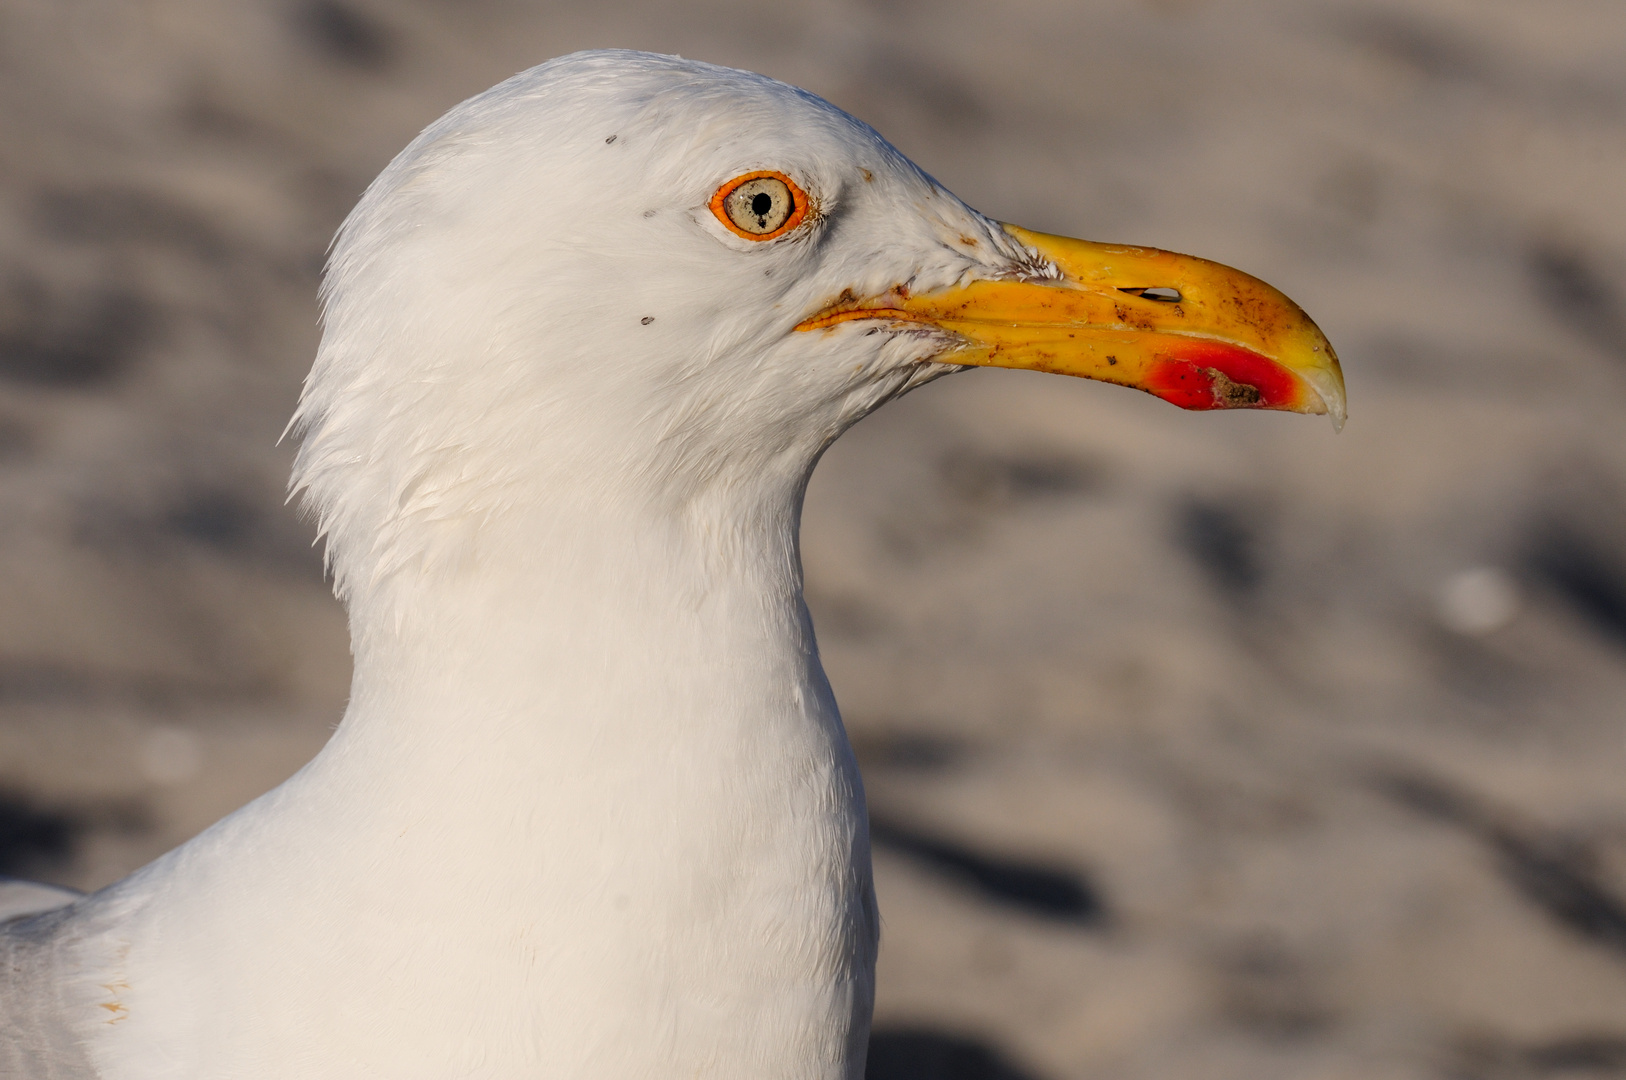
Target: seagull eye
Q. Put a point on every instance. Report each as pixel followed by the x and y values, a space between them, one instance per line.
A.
pixel 760 205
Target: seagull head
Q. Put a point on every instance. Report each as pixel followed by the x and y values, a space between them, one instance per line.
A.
pixel 624 283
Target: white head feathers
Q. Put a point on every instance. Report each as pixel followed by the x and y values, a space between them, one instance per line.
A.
pixel 532 308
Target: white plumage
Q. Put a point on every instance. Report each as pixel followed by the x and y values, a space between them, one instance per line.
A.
pixel 591 812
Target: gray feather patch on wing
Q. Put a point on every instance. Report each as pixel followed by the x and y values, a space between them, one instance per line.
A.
pixel 19 898
pixel 36 1042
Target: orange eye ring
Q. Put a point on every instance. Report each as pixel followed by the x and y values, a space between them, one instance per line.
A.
pixel 798 209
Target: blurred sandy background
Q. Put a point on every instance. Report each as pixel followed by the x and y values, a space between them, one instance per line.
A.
pixel 1207 746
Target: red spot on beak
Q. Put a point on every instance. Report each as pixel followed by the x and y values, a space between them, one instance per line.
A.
pixel 1213 375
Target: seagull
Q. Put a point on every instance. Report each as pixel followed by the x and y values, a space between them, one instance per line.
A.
pixel 591 812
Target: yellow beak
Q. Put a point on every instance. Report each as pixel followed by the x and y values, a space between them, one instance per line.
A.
pixel 1192 332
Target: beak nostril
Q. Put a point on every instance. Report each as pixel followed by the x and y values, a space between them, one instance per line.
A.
pixel 1161 294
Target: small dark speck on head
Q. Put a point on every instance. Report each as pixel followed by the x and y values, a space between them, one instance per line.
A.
pixel 649 213
pixel 1112 360
pixel 611 139
pixel 868 176
pixel 646 320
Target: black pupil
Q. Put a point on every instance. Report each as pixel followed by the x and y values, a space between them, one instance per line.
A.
pixel 761 203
